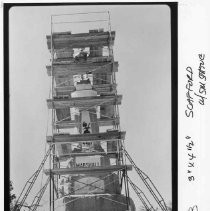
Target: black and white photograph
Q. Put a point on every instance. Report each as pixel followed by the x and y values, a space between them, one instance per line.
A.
pixel 92 92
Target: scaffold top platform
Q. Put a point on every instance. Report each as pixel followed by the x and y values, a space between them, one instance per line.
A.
pixel 80 40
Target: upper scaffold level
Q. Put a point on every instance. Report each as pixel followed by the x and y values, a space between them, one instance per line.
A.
pixel 80 40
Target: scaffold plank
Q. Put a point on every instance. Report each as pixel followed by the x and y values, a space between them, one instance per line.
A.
pixel 84 102
pixel 66 137
pixel 85 170
pixel 80 40
pixel 71 68
pixel 82 154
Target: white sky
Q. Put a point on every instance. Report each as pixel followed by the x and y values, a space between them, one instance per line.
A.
pixel 142 48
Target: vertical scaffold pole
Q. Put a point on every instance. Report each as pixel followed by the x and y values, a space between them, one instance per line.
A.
pixel 53 182
pixel 126 188
pixel 52 109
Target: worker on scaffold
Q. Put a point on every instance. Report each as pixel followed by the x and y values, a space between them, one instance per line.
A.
pixel 82 56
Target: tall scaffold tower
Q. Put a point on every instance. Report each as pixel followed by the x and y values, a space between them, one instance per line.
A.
pixel 87 167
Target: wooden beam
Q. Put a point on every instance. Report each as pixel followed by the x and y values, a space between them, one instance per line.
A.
pixel 71 124
pixel 78 154
pixel 100 88
pixel 84 102
pixel 80 40
pixel 93 170
pixel 68 138
pixel 67 68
